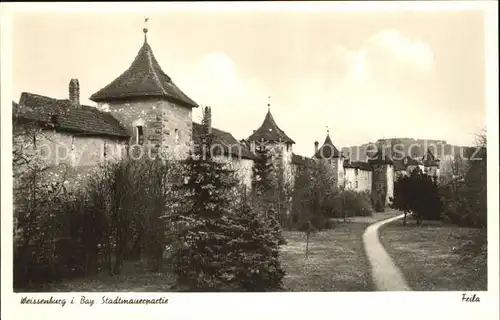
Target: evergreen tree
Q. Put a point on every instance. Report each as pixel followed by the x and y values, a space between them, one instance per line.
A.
pixel 275 227
pixel 418 193
pixel 263 171
pixel 219 246
pixel 256 251
pixel 203 222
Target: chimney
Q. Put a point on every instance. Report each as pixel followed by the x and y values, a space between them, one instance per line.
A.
pixel 207 120
pixel 74 92
pixel 316 144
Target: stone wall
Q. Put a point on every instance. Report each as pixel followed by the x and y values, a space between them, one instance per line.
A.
pixel 390 183
pixel 340 171
pixel 350 178
pixel 165 124
pixel 357 179
pixel 65 157
pixel 379 186
pixel 337 167
pixel 243 168
pixel 77 150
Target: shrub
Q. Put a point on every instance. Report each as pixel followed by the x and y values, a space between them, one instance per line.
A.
pixel 58 240
pixel 352 204
pixel 116 213
pixel 318 222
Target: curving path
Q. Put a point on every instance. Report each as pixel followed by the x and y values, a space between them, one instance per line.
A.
pixel 385 274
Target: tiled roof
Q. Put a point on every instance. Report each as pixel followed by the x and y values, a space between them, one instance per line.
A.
pixel 229 144
pixel 269 131
pixel 68 118
pixel 411 161
pixel 380 158
pixel 358 165
pixel 327 150
pixel 302 161
pixel 144 78
pixel 429 160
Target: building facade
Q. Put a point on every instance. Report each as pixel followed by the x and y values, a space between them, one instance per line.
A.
pixel 144 109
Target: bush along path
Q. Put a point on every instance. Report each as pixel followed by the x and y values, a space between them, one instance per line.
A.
pixel 385 275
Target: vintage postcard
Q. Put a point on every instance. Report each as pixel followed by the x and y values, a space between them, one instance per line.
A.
pixel 323 159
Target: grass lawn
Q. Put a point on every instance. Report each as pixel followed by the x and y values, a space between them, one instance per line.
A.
pixel 135 277
pixel 336 260
pixel 430 256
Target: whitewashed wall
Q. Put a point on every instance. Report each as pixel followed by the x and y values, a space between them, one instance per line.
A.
pixel 362 181
pixel 242 167
pixel 390 183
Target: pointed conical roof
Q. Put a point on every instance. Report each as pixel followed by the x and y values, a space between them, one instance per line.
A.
pixel 328 150
pixel 269 131
pixel 429 160
pixel 144 78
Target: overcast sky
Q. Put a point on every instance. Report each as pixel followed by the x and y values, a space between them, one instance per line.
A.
pixel 364 75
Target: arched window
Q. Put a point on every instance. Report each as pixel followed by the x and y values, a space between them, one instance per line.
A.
pixel 139 135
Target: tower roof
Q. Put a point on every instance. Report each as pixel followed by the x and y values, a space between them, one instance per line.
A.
pixel 328 150
pixel 144 78
pixel 270 131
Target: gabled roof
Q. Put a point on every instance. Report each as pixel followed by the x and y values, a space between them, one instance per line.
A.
pixel 144 78
pixel 327 150
pixel 303 161
pixel 380 157
pixel 269 131
pixel 230 146
pixel 66 117
pixel 358 165
pixel 429 160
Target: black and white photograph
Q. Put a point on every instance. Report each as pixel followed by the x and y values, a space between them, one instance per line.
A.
pixel 259 148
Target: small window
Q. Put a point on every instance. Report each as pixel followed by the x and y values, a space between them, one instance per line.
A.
pixel 356 184
pixel 177 135
pixel 73 151
pixel 104 154
pixel 140 135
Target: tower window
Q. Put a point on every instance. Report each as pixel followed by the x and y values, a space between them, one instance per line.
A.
pixel 140 135
pixel 177 135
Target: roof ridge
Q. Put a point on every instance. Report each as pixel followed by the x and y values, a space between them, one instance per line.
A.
pixel 151 58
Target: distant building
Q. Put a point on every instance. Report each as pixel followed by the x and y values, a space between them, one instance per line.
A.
pixel 143 107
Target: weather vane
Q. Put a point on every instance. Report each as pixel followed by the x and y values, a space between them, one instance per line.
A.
pixel 269 103
pixel 145 30
pixel 327 130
